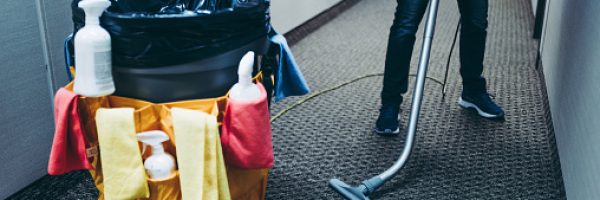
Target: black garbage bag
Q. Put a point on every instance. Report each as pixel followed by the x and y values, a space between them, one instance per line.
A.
pixel 153 33
pixel 173 6
pixel 170 50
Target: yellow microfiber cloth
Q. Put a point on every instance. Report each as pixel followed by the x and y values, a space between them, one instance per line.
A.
pixel 122 166
pixel 199 155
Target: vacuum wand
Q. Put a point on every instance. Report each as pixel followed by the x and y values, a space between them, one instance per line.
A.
pixel 367 187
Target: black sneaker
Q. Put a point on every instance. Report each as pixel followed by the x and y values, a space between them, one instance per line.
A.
pixel 483 104
pixel 387 122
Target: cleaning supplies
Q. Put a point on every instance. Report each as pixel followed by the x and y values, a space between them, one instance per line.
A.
pixel 199 155
pixel 159 165
pixel 93 53
pixel 245 89
pixel 68 151
pixel 246 134
pixel 290 81
pixel 123 171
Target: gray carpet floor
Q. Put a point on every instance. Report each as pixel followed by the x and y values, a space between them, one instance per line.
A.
pixel 457 155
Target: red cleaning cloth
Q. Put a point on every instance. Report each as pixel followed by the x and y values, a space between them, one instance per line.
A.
pixel 246 133
pixel 68 149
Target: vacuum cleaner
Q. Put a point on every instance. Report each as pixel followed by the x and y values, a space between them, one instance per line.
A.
pixel 362 191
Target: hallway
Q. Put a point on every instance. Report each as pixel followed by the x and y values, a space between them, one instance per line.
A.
pixel 457 155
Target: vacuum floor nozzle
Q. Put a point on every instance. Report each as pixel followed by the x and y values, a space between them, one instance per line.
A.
pixel 349 192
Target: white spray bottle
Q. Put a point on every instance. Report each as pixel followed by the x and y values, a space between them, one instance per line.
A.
pixel 245 89
pixel 93 75
pixel 159 165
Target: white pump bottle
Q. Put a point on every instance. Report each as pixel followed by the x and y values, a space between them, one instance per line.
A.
pixel 245 89
pixel 159 165
pixel 93 75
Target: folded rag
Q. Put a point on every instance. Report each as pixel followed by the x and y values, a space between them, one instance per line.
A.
pixel 246 137
pixel 122 167
pixel 199 155
pixel 289 78
pixel 68 151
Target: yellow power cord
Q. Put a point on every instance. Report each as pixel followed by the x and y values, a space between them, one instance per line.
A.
pixel 313 95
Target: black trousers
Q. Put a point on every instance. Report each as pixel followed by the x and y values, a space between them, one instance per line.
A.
pixel 402 39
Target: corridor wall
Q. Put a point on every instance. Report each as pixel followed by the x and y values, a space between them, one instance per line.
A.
pixel 289 14
pixel 570 52
pixel 31 37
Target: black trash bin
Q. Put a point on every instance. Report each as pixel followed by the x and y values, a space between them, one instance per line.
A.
pixel 163 56
pixel 205 78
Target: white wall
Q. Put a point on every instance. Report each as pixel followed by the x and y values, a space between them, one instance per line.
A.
pixel 288 14
pixel 571 60
pixel 31 34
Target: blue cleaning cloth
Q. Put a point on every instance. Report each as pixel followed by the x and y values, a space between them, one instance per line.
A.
pixel 289 79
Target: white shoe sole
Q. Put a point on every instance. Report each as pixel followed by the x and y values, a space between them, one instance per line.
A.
pixel 395 132
pixel 466 105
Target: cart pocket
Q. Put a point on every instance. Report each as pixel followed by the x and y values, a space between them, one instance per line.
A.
pixel 246 185
pixel 165 189
pixel 246 133
pixel 123 169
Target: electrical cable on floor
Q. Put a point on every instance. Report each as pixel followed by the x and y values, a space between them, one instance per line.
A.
pixel 316 94
pixel 443 83
pixel 285 110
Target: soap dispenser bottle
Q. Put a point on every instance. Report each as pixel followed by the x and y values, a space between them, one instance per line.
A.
pixel 159 165
pixel 245 89
pixel 93 63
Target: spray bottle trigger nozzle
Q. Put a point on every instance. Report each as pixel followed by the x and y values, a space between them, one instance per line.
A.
pixel 152 138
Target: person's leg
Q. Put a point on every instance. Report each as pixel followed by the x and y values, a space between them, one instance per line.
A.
pixel 399 50
pixel 397 63
pixel 473 34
